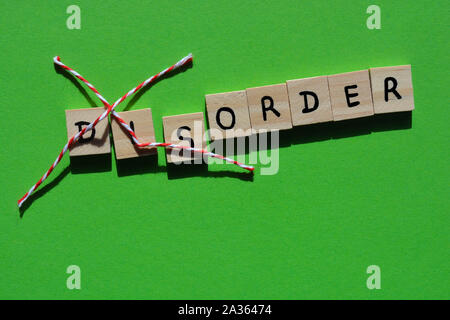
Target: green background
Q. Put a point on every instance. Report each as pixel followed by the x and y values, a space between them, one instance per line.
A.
pixel 335 207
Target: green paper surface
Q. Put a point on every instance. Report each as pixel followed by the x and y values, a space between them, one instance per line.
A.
pixel 346 197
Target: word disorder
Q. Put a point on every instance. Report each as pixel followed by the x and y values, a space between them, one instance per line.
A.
pixel 234 114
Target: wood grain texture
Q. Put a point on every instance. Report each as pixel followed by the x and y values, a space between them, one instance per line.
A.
pixel 142 123
pixel 312 110
pixel 228 114
pixel 262 98
pixel 382 78
pixel 93 142
pixel 190 127
pixel 337 84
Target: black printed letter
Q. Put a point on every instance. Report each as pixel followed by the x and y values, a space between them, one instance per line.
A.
pixel 233 118
pixel 132 128
pixel 349 95
pixel 191 142
pixel 305 96
pixel 387 90
pixel 271 108
pixel 80 125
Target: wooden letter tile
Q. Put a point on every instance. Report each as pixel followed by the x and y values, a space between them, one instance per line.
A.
pixel 309 100
pixel 228 113
pixel 269 107
pixel 92 142
pixel 142 123
pixel 392 89
pixel 350 94
pixel 185 130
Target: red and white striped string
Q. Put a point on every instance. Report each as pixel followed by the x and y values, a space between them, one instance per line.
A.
pixel 110 109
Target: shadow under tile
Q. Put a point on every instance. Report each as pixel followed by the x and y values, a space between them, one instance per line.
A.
pixel 179 171
pixel 312 133
pixel 392 121
pixel 137 165
pixel 90 163
pixel 352 127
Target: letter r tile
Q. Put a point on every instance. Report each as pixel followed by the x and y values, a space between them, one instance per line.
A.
pixel 92 142
pixel 392 89
pixel 269 107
